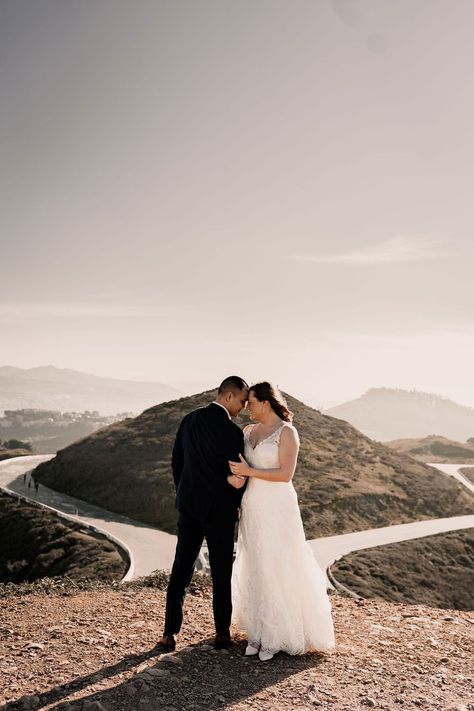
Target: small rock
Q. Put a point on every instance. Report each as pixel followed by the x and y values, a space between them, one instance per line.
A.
pixel 94 705
pixel 170 658
pixel 156 673
pixel 30 702
pixel 35 645
pixel 206 647
pixel 368 701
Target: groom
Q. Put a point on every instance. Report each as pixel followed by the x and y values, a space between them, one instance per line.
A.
pixel 208 505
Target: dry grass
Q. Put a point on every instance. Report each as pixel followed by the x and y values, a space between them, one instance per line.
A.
pixel 436 570
pixel 35 543
pixel 345 481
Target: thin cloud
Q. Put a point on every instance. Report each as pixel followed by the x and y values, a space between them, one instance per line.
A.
pixel 396 249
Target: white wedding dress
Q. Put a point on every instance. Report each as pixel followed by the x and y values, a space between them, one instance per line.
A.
pixel 278 589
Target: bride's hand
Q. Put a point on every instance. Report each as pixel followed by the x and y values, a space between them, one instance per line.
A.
pixel 240 468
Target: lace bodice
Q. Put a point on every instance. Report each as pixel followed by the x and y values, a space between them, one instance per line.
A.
pixel 265 454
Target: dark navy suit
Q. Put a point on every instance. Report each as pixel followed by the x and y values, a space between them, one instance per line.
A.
pixel 208 507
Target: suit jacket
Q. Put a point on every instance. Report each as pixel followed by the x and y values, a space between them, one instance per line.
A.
pixel 206 440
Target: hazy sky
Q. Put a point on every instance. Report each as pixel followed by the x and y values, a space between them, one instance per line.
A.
pixel 277 189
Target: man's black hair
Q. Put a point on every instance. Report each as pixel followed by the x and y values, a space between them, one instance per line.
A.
pixel 233 382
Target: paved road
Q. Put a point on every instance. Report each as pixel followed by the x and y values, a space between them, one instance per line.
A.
pixel 148 548
pixel 331 548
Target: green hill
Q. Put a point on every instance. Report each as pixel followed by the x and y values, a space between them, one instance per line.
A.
pixel 345 481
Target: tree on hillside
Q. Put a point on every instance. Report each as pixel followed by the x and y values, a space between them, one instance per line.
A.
pixel 16 444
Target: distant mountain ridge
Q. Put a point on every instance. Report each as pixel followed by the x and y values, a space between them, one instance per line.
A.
pixel 48 387
pixel 345 481
pixel 391 413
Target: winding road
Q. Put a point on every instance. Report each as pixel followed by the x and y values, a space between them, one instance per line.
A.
pixel 150 549
pixel 454 471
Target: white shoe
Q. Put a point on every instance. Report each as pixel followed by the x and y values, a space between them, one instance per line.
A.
pixel 265 656
pixel 250 651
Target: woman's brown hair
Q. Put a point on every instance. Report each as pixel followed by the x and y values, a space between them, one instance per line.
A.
pixel 266 391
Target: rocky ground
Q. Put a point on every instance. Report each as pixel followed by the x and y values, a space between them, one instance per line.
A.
pixel 63 647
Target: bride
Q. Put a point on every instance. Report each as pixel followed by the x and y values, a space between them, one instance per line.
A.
pixel 278 589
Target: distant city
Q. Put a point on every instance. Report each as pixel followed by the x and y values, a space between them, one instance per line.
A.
pixel 46 431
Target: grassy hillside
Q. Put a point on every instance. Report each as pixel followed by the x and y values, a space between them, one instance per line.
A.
pixel 345 481
pixel 434 449
pixel 35 543
pixel 436 571
pixel 468 473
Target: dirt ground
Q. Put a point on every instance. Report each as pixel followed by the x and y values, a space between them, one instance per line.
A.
pixel 91 650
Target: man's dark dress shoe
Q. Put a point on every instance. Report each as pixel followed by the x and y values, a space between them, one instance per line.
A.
pixel 222 641
pixel 166 644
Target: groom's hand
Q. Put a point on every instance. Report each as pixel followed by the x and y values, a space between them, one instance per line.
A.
pixel 236 481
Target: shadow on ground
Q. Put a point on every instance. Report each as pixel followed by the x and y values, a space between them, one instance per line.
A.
pixel 196 677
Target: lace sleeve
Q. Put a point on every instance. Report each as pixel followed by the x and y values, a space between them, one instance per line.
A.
pixel 292 427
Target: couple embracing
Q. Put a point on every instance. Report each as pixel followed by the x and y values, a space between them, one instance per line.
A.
pixel 275 592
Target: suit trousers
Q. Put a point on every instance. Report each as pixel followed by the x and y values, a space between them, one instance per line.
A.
pixel 218 530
